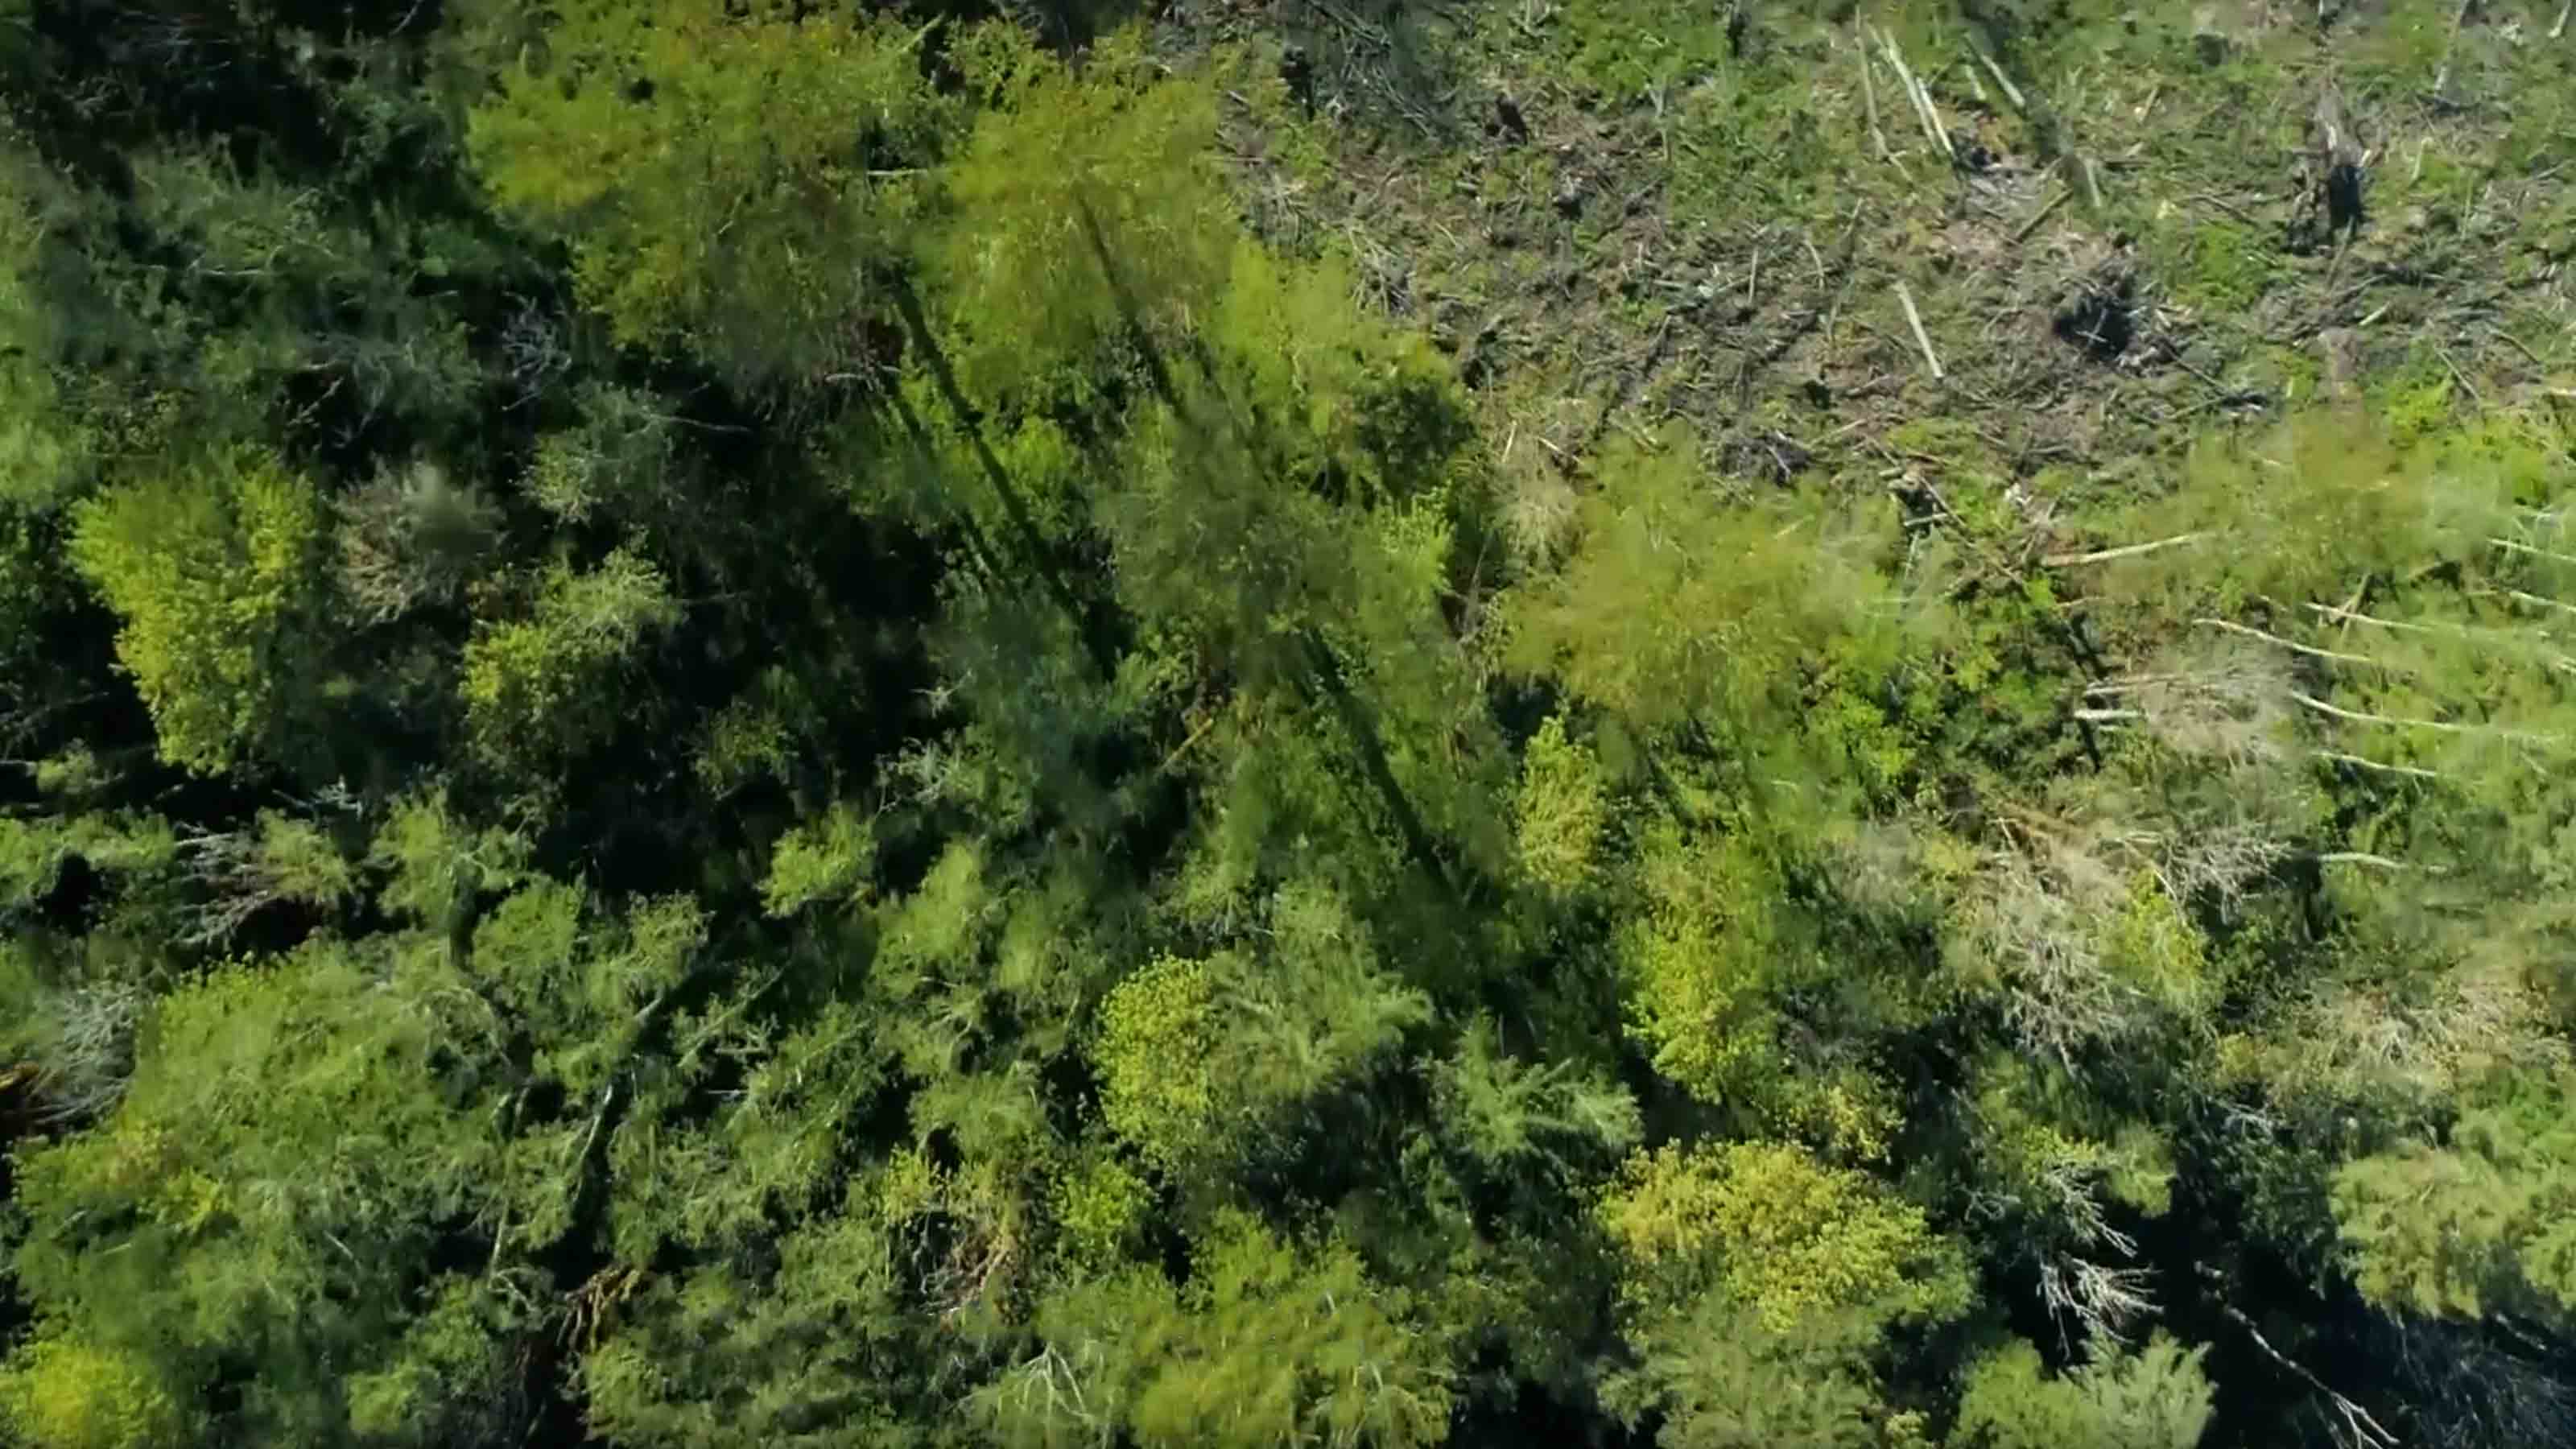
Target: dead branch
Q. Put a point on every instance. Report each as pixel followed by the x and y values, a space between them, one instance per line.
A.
pixel 2359 762
pixel 2356 717
pixel 2524 548
pixel 2046 210
pixel 2295 647
pixel 2358 857
pixel 1869 102
pixel 2455 631
pixel 1922 339
pixel 91 1054
pixel 239 883
pixel 1924 112
pixel 2537 602
pixel 2105 555
pixel 2102 687
pixel 2104 1300
pixel 2012 92
pixel 2450 44
pixel 2366 1430
pixel 2373 620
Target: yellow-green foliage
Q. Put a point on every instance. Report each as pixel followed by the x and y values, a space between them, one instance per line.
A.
pixel 2215 265
pixel 533 685
pixel 1270 1342
pixel 1099 1205
pixel 2042 1144
pixel 1017 263
pixel 826 859
pixel 1562 811
pixel 301 862
pixel 617 461
pixel 725 172
pixel 940 928
pixel 286 1128
pixel 449 1359
pixel 1851 1112
pixel 2156 1397
pixel 33 852
pixel 2155 950
pixel 208 567
pixel 1745 119
pixel 1748 1266
pixel 59 1393
pixel 2415 404
pixel 1505 1110
pixel 28 586
pixel 1701 959
pixel 2483 1223
pixel 1775 1230
pixel 1028 819
pixel 1199 1057
pixel 433 863
pixel 584 975
pixel 1342 389
pixel 2409 45
pixel 1677 601
pixel 744 742
pixel 1157 1057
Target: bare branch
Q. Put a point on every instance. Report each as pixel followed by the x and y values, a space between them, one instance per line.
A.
pixel 2504 639
pixel 1922 339
pixel 2367 1431
pixel 1869 99
pixel 2357 717
pixel 2012 92
pixel 2358 762
pixel 2104 1300
pixel 2357 857
pixel 2295 647
pixel 2105 555
pixel 2524 548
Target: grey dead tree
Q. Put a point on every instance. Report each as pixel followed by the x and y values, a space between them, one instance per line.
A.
pixel 274 860
pixel 411 537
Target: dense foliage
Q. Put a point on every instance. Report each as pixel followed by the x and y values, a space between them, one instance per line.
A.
pixel 738 724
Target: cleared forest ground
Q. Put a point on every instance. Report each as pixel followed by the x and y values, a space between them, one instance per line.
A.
pixel 2004 250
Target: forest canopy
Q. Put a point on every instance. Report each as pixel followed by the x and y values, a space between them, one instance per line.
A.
pixel 754 723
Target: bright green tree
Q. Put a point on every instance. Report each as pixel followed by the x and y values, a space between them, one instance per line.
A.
pixel 1270 1342
pixel 259 1204
pixel 59 1393
pixel 1748 1267
pixel 539 689
pixel 2479 1223
pixel 209 567
pixel 2155 1397
pixel 1199 1057
pixel 729 178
